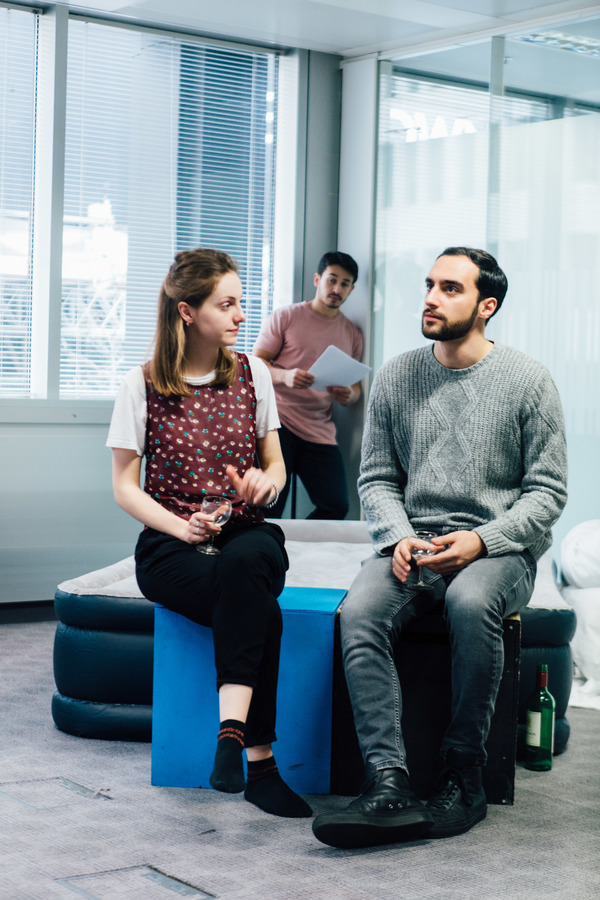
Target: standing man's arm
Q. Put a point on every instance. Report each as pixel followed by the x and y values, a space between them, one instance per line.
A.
pixel 346 396
pixel 292 378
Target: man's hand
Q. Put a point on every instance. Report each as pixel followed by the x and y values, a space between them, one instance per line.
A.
pixel 401 559
pixel 342 395
pixel 456 550
pixel 297 378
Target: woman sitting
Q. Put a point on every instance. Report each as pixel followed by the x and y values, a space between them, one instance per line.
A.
pixel 201 414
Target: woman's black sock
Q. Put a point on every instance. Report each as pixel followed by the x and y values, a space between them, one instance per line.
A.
pixel 228 770
pixel 267 790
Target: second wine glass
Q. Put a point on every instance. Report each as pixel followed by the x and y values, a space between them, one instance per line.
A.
pixel 220 509
pixel 419 552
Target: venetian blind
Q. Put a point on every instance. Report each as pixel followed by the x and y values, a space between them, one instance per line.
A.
pixel 18 56
pixel 170 144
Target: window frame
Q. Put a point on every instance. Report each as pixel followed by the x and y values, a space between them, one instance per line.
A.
pixel 49 150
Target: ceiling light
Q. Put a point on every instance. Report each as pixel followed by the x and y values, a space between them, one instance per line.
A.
pixel 583 45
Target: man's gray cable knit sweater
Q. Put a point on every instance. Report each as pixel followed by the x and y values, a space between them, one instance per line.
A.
pixel 481 448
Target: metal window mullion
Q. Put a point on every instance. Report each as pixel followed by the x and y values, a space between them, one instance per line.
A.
pixel 49 203
pixel 494 142
pixel 289 187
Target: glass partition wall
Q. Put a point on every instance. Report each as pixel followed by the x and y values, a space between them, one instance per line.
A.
pixel 497 145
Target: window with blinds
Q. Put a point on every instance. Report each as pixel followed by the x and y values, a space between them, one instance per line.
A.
pixel 18 52
pixel 169 145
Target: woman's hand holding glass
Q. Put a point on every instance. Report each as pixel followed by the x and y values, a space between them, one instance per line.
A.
pixel 201 528
pixel 214 513
pixel 254 487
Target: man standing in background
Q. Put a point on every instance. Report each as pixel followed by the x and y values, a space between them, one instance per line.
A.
pixel 290 341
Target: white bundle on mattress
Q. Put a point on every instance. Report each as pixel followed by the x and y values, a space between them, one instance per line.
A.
pixel 580 562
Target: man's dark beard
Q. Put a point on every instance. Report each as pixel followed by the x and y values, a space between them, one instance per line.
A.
pixel 452 332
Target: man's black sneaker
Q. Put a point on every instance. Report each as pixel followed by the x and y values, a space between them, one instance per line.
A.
pixel 458 801
pixel 387 812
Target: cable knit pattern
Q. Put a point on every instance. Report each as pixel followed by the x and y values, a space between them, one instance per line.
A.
pixel 481 448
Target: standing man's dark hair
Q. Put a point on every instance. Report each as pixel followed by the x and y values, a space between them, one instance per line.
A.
pixel 337 258
pixel 492 282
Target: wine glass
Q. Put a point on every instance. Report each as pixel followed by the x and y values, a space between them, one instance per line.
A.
pixel 418 552
pixel 220 509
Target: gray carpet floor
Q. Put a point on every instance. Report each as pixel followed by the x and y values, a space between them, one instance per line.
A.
pixel 80 818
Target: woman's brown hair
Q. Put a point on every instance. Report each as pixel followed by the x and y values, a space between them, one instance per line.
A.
pixel 192 278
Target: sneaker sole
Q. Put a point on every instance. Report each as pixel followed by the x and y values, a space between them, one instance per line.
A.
pixel 444 831
pixel 347 832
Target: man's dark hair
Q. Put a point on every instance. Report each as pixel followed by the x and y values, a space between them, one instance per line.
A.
pixel 337 258
pixel 491 281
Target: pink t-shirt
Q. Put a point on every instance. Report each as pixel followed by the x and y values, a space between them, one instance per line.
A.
pixel 297 336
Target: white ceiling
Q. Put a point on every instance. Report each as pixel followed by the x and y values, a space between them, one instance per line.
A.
pixel 446 37
pixel 348 27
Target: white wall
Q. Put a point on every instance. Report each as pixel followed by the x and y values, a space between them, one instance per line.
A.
pixel 324 87
pixel 339 210
pixel 317 187
pixel 58 517
pixel 355 235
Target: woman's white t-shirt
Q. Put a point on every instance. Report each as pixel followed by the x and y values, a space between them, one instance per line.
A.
pixel 127 429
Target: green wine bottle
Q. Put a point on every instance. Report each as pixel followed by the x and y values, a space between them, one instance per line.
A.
pixel 540 724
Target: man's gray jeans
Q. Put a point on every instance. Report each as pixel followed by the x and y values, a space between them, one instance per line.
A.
pixel 475 601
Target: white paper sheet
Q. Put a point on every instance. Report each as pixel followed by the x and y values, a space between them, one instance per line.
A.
pixel 334 368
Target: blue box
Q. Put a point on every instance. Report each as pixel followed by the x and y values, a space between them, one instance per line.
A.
pixel 185 716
